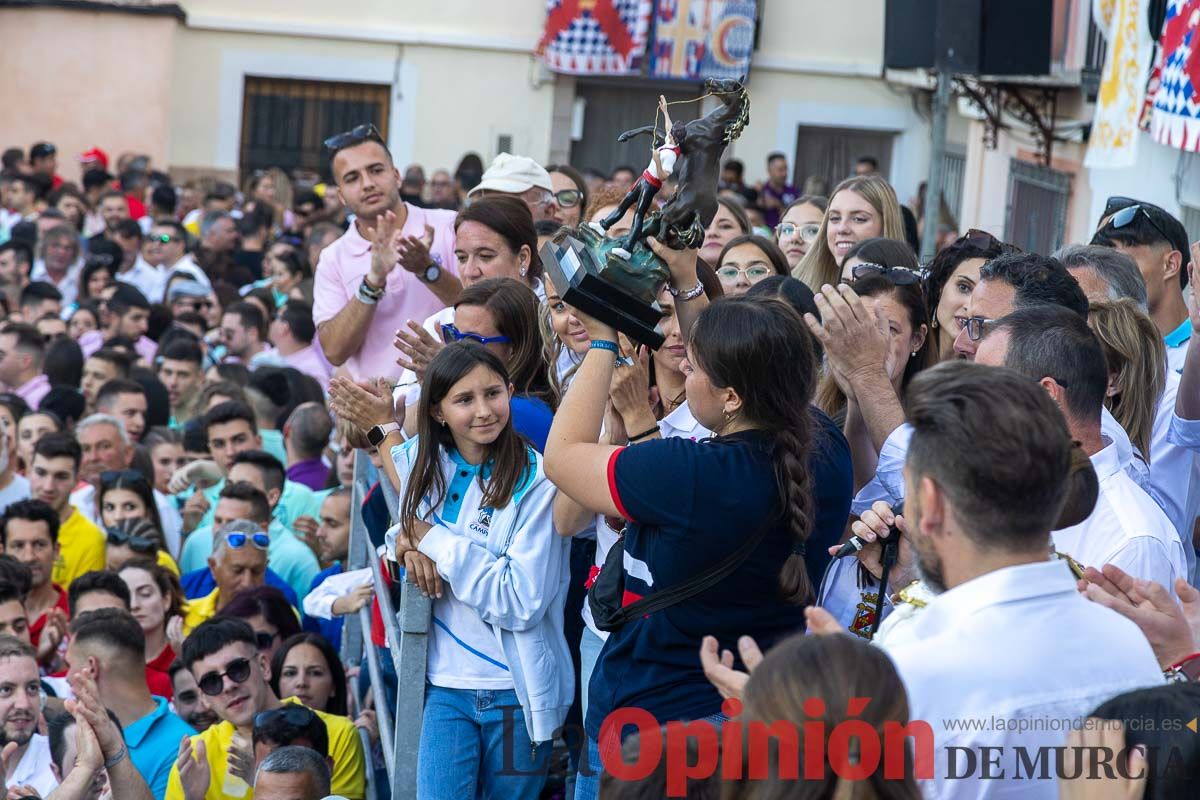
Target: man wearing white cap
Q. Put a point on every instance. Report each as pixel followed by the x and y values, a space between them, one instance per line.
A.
pixel 521 177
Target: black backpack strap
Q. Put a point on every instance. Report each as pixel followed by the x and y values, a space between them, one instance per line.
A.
pixel 698 583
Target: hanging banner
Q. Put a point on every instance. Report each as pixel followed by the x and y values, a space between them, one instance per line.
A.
pixel 1176 120
pixel 1113 141
pixel 595 37
pixel 697 39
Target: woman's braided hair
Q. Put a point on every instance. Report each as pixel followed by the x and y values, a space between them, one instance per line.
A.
pixel 759 347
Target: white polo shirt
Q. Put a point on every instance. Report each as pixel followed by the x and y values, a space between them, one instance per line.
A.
pixel 1126 528
pixel 34 767
pixel 1008 660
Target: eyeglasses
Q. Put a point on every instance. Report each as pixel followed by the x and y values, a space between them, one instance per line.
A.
pixel 264 640
pixel 1127 215
pixel 138 544
pixel 294 715
pixel 213 683
pixel 238 540
pixel 568 198
pixel 753 273
pixel 367 132
pixel 975 326
pixel 452 334
pixel 808 231
pixel 899 276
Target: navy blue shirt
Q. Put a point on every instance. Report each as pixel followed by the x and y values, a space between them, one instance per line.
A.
pixel 691 504
pixel 200 582
pixel 832 485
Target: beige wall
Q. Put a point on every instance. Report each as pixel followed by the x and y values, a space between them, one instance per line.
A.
pixel 445 101
pixel 108 84
pixel 846 34
pixel 493 21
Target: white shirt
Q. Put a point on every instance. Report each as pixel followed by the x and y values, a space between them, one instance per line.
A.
pixel 68 287
pixel 1126 528
pixel 1017 645
pixel 464 652
pixel 888 482
pixel 34 767
pixel 17 489
pixel 1174 473
pixel 147 279
pixel 84 499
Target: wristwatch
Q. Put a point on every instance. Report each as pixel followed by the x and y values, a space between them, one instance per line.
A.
pixel 431 273
pixel 377 434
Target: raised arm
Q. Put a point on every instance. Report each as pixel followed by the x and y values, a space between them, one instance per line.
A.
pixel 682 264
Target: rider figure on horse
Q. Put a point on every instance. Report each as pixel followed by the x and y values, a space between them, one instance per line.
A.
pixel 643 192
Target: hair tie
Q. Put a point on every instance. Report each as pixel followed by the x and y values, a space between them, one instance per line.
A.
pixel 799 549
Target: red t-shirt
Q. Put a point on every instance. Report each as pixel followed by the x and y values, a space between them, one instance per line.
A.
pixel 157 677
pixel 38 625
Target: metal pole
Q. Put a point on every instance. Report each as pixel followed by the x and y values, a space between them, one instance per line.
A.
pixel 937 157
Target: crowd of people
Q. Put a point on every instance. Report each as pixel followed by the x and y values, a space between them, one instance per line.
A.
pixel 849 491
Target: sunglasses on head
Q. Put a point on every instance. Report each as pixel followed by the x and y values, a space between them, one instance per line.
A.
pixel 114 475
pixel 900 276
pixel 452 334
pixel 367 132
pixel 1125 216
pixel 238 540
pixel 213 683
pixel 294 715
pixel 138 544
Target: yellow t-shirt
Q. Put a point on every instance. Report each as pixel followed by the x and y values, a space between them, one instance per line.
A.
pixel 345 748
pixel 80 549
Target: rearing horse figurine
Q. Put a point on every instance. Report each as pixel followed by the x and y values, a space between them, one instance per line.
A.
pixel 685 217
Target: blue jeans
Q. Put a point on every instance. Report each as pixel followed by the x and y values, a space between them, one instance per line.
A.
pixel 590 646
pixel 474 744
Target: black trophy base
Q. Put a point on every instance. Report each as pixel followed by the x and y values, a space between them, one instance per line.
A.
pixel 575 274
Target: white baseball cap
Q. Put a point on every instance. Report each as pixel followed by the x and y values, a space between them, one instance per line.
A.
pixel 514 174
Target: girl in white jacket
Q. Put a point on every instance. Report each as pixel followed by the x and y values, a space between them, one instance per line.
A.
pixel 476 506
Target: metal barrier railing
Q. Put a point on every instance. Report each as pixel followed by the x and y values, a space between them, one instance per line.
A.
pixel 407 630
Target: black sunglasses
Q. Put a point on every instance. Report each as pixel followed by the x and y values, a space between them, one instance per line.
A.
pixel 294 715
pixel 114 475
pixel 1127 215
pixel 138 544
pixel 367 132
pixel 899 276
pixel 213 683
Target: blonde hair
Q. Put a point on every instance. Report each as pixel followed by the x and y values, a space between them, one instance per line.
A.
pixel 819 266
pixel 1137 364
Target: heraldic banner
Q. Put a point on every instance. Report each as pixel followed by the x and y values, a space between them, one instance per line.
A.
pixel 595 37
pixel 697 39
pixel 1176 120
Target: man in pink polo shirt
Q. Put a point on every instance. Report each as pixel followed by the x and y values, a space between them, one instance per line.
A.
pixel 22 350
pixel 396 262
